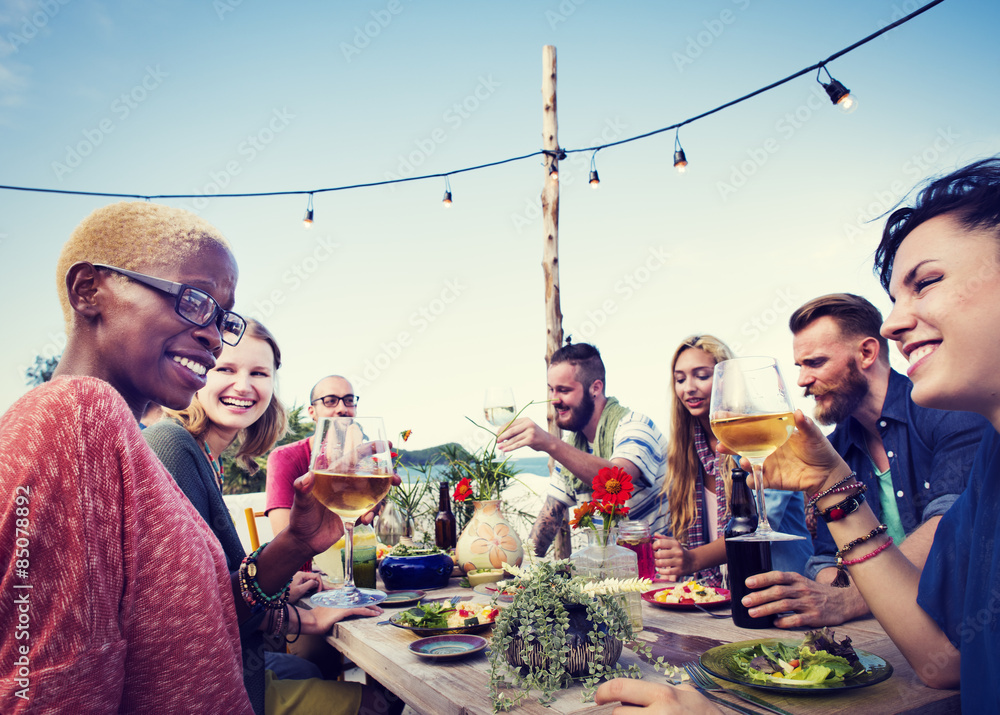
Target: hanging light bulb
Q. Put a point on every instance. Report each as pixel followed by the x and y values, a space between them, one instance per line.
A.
pixel 447 193
pixel 680 161
pixel 595 181
pixel 554 171
pixel 307 221
pixel 839 94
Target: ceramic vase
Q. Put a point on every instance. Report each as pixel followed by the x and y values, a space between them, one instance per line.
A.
pixel 603 558
pixel 488 540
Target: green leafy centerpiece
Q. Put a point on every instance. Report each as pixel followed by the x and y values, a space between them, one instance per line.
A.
pixel 560 627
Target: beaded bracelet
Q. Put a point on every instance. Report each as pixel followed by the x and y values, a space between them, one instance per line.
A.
pixel 869 555
pixel 835 489
pixel 252 594
pixel 842 581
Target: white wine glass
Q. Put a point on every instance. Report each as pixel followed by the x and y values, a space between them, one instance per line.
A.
pixel 752 414
pixel 499 406
pixel 351 466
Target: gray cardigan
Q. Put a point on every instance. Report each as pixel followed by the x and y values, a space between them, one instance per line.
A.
pixel 186 461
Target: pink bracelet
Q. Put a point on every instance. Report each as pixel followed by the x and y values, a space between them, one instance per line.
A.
pixel 841 486
pixel 867 556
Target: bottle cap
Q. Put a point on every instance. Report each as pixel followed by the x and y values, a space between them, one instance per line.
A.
pixel 739 473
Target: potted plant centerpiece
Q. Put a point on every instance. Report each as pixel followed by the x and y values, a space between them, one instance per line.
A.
pixel 560 627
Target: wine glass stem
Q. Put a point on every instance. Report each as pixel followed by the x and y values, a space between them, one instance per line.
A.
pixel 350 590
pixel 758 476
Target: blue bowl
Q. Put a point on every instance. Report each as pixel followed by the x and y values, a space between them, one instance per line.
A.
pixel 416 572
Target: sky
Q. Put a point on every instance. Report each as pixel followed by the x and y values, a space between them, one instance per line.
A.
pixel 424 307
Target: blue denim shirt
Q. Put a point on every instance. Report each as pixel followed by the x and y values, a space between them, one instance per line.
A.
pixel 930 454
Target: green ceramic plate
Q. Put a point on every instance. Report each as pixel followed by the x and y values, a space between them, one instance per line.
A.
pixel 717 662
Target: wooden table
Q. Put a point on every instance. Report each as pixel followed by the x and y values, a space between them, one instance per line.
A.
pixel 462 687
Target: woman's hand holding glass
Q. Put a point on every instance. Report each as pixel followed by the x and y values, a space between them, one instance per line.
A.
pixel 672 559
pixel 807 462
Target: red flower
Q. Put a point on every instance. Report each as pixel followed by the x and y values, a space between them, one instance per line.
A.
pixel 583 515
pixel 463 490
pixel 612 485
pixel 394 455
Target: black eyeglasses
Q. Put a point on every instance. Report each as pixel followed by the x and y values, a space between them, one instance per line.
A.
pixel 332 401
pixel 194 305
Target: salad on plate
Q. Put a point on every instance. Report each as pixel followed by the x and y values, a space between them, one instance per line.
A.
pixel 818 660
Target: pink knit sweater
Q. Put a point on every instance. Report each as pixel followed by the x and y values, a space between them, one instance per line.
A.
pixel 130 607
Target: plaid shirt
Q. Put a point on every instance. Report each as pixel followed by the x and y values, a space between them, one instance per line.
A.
pixel 697 534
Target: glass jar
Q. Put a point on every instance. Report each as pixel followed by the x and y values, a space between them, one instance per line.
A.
pixel 635 536
pixel 600 560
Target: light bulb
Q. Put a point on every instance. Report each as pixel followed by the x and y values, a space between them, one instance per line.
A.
pixel 594 180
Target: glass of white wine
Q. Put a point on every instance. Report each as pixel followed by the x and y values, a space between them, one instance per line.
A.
pixel 499 406
pixel 752 414
pixel 352 468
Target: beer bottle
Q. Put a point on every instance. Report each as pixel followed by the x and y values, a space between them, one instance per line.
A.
pixel 445 524
pixel 744 558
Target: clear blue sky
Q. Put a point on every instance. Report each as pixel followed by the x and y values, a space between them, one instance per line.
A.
pixel 427 306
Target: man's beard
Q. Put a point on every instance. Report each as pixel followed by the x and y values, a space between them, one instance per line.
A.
pixel 580 415
pixel 845 397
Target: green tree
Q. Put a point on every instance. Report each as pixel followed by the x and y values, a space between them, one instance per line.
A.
pixel 41 371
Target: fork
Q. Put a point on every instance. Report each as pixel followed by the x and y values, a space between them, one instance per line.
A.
pixel 710 613
pixel 707 686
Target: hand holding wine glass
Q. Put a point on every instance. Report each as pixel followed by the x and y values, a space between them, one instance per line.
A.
pixel 752 414
pixel 352 471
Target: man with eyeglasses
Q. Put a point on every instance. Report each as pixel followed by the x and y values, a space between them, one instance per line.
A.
pixel 332 396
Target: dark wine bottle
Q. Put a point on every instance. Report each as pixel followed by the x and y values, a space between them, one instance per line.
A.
pixel 445 535
pixel 745 558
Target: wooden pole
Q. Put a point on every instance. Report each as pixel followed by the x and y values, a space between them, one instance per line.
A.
pixel 550 251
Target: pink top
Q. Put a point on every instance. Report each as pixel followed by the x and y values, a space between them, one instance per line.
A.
pixel 130 606
pixel 284 465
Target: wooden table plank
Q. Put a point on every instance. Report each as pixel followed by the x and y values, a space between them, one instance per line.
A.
pixel 462 687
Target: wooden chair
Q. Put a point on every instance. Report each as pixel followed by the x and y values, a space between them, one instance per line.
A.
pixel 252 527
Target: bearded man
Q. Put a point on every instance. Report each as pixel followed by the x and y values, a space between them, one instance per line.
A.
pixel 914 461
pixel 602 433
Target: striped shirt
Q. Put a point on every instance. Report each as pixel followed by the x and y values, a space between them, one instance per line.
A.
pixel 639 441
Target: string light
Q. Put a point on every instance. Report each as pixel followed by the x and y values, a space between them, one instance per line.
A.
pixel 839 94
pixel 307 221
pixel 680 161
pixel 595 181
pixel 447 193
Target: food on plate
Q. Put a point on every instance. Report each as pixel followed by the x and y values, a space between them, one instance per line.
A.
pixel 413 550
pixel 446 615
pixel 818 660
pixel 689 592
pixel 481 576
